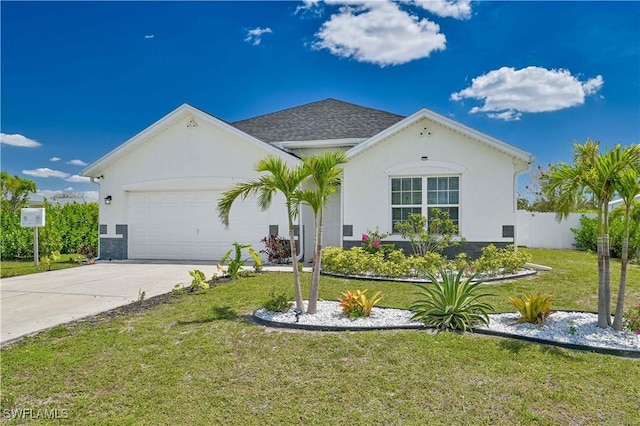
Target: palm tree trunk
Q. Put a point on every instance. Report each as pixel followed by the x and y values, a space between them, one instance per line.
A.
pixel 618 319
pixel 602 308
pixel 294 263
pixel 607 265
pixel 317 260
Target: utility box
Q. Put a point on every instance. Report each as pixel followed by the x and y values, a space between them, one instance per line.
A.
pixel 32 218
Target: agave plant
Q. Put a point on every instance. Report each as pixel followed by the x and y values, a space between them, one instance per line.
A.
pixel 451 303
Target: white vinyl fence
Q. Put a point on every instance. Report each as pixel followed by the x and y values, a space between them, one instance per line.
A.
pixel 542 230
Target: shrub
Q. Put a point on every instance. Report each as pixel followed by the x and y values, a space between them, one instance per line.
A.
pixel 359 262
pixel 453 303
pixel 632 319
pixel 534 308
pixel 88 251
pixel 276 249
pixel 495 261
pixel 372 242
pixel 355 304
pixel 434 237
pixel 234 268
pixel 488 263
pixel 587 235
pixel 512 261
pixel 49 260
pixel 278 302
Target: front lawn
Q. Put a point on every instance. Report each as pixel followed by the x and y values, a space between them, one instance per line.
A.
pixel 14 268
pixel 198 360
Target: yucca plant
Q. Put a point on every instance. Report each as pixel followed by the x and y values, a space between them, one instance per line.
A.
pixel 453 303
pixel 356 304
pixel 534 308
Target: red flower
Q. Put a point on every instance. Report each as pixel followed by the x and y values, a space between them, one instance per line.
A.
pixel 376 243
pixel 365 237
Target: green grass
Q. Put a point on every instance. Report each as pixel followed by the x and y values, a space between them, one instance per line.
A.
pixel 24 267
pixel 198 360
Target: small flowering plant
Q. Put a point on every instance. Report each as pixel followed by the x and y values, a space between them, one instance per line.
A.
pixel 632 319
pixel 372 240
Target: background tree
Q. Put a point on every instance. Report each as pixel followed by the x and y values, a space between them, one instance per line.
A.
pixel 15 192
pixel 538 197
pixel 593 172
pixel 325 176
pixel 279 177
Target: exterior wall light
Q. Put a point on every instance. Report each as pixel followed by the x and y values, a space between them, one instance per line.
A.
pixel 107 199
pixel 424 158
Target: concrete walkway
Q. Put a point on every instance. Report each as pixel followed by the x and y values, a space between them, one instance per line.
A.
pixel 35 302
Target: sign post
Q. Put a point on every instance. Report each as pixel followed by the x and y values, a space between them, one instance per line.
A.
pixel 33 218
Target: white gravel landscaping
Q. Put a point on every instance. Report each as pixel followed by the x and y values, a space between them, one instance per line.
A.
pixel 330 314
pixel 575 328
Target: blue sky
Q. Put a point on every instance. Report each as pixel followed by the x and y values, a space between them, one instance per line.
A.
pixel 80 78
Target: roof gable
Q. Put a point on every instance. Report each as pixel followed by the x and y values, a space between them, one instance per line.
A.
pixel 322 120
pixel 511 150
pixel 185 110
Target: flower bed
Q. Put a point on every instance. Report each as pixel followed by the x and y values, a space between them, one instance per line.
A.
pixel 395 265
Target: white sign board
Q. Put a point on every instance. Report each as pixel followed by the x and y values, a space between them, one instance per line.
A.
pixel 31 218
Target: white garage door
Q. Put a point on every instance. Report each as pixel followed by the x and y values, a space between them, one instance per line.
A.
pixel 185 225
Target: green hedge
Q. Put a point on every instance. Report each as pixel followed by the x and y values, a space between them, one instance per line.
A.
pixel 587 236
pixel 68 228
pixel 359 262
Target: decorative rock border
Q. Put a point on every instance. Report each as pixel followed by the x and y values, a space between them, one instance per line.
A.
pixel 628 353
pixel 312 327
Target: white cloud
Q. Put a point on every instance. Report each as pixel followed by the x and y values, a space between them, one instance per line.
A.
pixel 379 33
pixel 78 178
pixel 508 115
pixel 312 7
pixel 255 35
pixel 592 85
pixel 507 93
pixel 77 163
pixel 149 36
pixel 18 140
pixel 458 9
pixel 45 172
pixel 54 159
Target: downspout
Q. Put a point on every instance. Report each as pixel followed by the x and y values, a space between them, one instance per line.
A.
pixel 300 255
pixel 518 172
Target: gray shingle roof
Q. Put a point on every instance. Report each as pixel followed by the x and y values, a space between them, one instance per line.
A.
pixel 322 120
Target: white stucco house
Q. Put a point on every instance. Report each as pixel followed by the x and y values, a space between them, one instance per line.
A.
pixel 159 190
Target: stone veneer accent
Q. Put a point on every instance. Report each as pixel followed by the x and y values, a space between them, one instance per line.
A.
pixel 114 248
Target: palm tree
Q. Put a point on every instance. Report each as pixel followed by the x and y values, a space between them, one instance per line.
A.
pixel 325 180
pixel 628 187
pixel 279 178
pixel 594 172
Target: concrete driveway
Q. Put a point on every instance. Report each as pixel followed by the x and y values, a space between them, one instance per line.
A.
pixel 36 302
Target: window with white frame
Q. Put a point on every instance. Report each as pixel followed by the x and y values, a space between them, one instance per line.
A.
pixel 424 194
